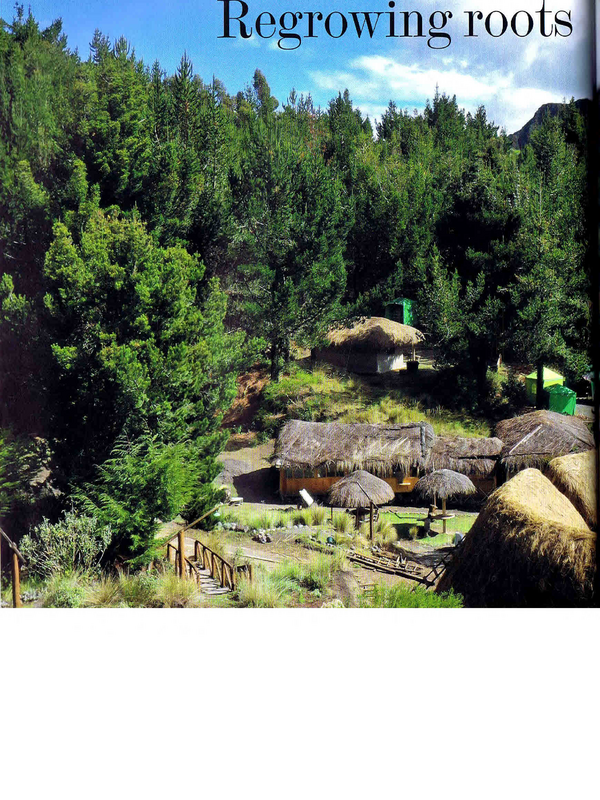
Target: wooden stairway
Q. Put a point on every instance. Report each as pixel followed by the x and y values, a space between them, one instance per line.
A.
pixel 206 583
pixel 193 559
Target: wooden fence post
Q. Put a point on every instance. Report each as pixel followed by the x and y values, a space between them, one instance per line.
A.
pixel 16 581
pixel 181 540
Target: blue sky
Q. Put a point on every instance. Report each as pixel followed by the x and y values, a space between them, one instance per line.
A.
pixel 511 76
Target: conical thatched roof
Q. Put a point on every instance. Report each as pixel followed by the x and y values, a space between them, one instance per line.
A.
pixel 531 440
pixel 475 456
pixel 529 546
pixel 444 484
pixel 375 333
pixel 379 449
pixel 359 490
pixel 576 477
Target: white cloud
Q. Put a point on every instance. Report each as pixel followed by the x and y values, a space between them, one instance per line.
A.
pixel 373 78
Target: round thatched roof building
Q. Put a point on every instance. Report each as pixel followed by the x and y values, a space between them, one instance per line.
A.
pixel 375 333
pixel 444 484
pixel 576 477
pixel 529 546
pixel 359 490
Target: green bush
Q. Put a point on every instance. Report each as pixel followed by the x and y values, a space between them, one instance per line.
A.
pixel 76 542
pixel 402 596
pixel 64 591
pixel 342 522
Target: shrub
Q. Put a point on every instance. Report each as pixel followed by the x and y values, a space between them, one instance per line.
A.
pixel 175 592
pixel 64 591
pixel 143 480
pixel 317 574
pixel 385 532
pixel 138 590
pixel 302 517
pixel 342 522
pixel 103 593
pixel 317 514
pixel 76 542
pixel 402 596
pixel 260 593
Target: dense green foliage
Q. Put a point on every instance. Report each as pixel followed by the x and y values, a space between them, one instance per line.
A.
pixel 157 233
pixel 74 543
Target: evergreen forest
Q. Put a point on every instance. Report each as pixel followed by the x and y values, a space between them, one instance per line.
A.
pixel 159 236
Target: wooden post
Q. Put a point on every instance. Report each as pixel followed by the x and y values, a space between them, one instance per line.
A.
pixel 250 572
pixel 212 564
pixel 371 521
pixel 181 541
pixel 222 573
pixel 16 581
pixel 444 513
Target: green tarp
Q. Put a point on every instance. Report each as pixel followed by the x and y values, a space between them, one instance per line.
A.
pixel 562 399
pixel 400 310
pixel 551 378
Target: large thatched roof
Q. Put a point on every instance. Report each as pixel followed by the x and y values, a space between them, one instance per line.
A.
pixel 444 484
pixel 576 477
pixel 359 490
pixel 531 440
pixel 375 333
pixel 475 456
pixel 380 449
pixel 529 546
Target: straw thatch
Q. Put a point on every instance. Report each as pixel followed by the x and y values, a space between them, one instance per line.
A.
pixel 475 456
pixel 529 546
pixel 379 449
pixel 359 490
pixel 444 484
pixel 375 333
pixel 576 477
pixel 531 440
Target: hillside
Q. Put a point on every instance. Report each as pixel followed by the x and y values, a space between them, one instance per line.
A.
pixel 521 137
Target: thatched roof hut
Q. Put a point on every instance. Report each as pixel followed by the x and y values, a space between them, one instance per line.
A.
pixel 370 345
pixel 379 449
pixel 474 456
pixel 444 484
pixel 375 333
pixel 531 440
pixel 529 546
pixel 359 490
pixel 576 477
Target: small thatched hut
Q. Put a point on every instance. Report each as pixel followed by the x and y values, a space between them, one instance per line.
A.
pixel 533 439
pixel 314 455
pixel 577 478
pixel 359 490
pixel 475 456
pixel 529 546
pixel 371 345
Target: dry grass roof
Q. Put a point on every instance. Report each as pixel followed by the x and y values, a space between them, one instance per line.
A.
pixel 379 449
pixel 529 546
pixel 473 456
pixel 375 333
pixel 531 440
pixel 576 477
pixel 359 490
pixel 444 484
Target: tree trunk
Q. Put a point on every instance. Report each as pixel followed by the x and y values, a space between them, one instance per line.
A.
pixel 274 361
pixel 539 389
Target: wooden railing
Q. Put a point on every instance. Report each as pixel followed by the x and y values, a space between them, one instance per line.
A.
pixel 204 558
pixel 218 567
pixel 16 574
